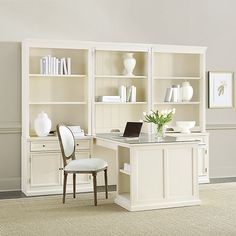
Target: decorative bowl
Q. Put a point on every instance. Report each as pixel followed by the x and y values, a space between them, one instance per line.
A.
pixel 185 126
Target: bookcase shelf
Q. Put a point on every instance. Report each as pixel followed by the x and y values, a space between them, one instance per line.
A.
pixel 57 76
pixel 120 77
pixel 176 103
pixel 175 78
pixel 120 103
pixel 58 103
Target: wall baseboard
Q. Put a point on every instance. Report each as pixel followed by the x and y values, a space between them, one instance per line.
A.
pixel 10 184
pixel 222 180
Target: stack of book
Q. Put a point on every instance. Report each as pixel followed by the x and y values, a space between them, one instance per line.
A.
pixel 50 65
pixel 76 130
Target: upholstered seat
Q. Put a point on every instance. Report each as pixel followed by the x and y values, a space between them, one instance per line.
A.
pixel 80 166
pixel 88 164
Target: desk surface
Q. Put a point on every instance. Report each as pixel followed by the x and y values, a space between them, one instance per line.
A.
pixel 142 139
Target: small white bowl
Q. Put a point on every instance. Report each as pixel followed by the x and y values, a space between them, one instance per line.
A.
pixel 185 126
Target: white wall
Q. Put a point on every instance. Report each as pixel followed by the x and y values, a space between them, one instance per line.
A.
pixel 187 22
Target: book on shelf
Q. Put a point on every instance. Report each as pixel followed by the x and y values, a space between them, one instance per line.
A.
pixel 131 93
pixel 168 95
pixel 122 93
pixel 108 99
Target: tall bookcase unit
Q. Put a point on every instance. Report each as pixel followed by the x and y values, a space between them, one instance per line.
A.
pixel 109 76
pixel 97 70
pixel 65 97
pixel 173 67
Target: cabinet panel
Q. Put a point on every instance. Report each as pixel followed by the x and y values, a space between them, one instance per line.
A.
pixel 45 146
pixel 82 144
pixel 44 169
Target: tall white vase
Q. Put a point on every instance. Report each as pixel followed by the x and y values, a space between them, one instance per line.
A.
pixel 129 64
pixel 187 91
pixel 42 124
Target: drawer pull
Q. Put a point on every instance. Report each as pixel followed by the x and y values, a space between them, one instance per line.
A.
pixel 61 168
pixel 77 144
pixel 43 145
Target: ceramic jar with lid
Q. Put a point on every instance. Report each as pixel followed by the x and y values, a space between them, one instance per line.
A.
pixel 42 124
pixel 187 91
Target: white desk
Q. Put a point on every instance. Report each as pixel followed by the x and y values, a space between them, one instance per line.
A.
pixel 162 174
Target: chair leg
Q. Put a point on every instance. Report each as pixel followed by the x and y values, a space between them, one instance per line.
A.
pixel 74 185
pixel 106 185
pixel 95 187
pixel 64 187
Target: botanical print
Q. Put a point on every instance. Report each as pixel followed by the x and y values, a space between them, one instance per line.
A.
pixel 220 89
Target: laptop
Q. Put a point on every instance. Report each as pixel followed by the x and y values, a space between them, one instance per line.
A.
pixel 132 129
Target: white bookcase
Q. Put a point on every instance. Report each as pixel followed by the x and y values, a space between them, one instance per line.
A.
pixel 97 70
pixel 109 75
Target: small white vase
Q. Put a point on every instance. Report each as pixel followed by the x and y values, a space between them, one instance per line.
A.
pixel 129 64
pixel 42 124
pixel 187 91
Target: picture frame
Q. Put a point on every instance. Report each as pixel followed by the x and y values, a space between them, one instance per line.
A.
pixel 220 89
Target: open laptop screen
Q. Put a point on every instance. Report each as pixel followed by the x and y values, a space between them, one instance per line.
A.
pixel 132 129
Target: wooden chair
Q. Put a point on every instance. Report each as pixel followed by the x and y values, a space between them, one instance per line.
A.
pixel 81 166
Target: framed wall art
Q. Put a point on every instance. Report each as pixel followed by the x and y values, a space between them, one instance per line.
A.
pixel 220 89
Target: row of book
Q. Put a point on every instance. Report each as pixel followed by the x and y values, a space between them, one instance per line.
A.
pixel 127 93
pixel 173 94
pixel 50 65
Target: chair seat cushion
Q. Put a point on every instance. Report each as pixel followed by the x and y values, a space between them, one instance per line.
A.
pixel 87 164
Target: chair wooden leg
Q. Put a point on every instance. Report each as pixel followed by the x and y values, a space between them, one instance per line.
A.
pixel 95 187
pixel 74 185
pixel 106 185
pixel 64 187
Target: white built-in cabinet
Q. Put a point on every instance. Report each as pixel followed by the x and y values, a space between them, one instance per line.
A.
pixel 96 70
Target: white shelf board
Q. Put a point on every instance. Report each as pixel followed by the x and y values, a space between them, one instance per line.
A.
pixel 121 77
pixel 57 103
pixel 124 172
pixel 57 76
pixel 120 103
pixel 176 77
pixel 176 103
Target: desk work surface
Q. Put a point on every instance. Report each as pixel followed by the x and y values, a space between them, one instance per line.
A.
pixel 144 138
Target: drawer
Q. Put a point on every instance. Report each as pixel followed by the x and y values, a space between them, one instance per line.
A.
pixel 82 144
pixel 45 146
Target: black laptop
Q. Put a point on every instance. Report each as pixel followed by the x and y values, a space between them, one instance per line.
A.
pixel 132 129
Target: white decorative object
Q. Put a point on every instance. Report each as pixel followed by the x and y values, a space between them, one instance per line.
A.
pixel 187 91
pixel 42 124
pixel 133 94
pixel 129 64
pixel 122 93
pixel 185 126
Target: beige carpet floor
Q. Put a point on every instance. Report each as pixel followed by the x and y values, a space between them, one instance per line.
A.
pixel 48 216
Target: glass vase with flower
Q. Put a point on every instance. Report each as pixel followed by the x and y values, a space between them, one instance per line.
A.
pixel 160 119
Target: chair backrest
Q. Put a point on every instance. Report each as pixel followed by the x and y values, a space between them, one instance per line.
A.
pixel 67 143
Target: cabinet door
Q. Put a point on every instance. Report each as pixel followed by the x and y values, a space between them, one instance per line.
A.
pixel 81 178
pixel 202 155
pixel 44 169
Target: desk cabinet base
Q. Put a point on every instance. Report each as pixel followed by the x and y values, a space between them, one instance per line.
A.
pixel 161 176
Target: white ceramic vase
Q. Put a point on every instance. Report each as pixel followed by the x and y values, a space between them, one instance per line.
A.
pixel 129 64
pixel 187 91
pixel 42 124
